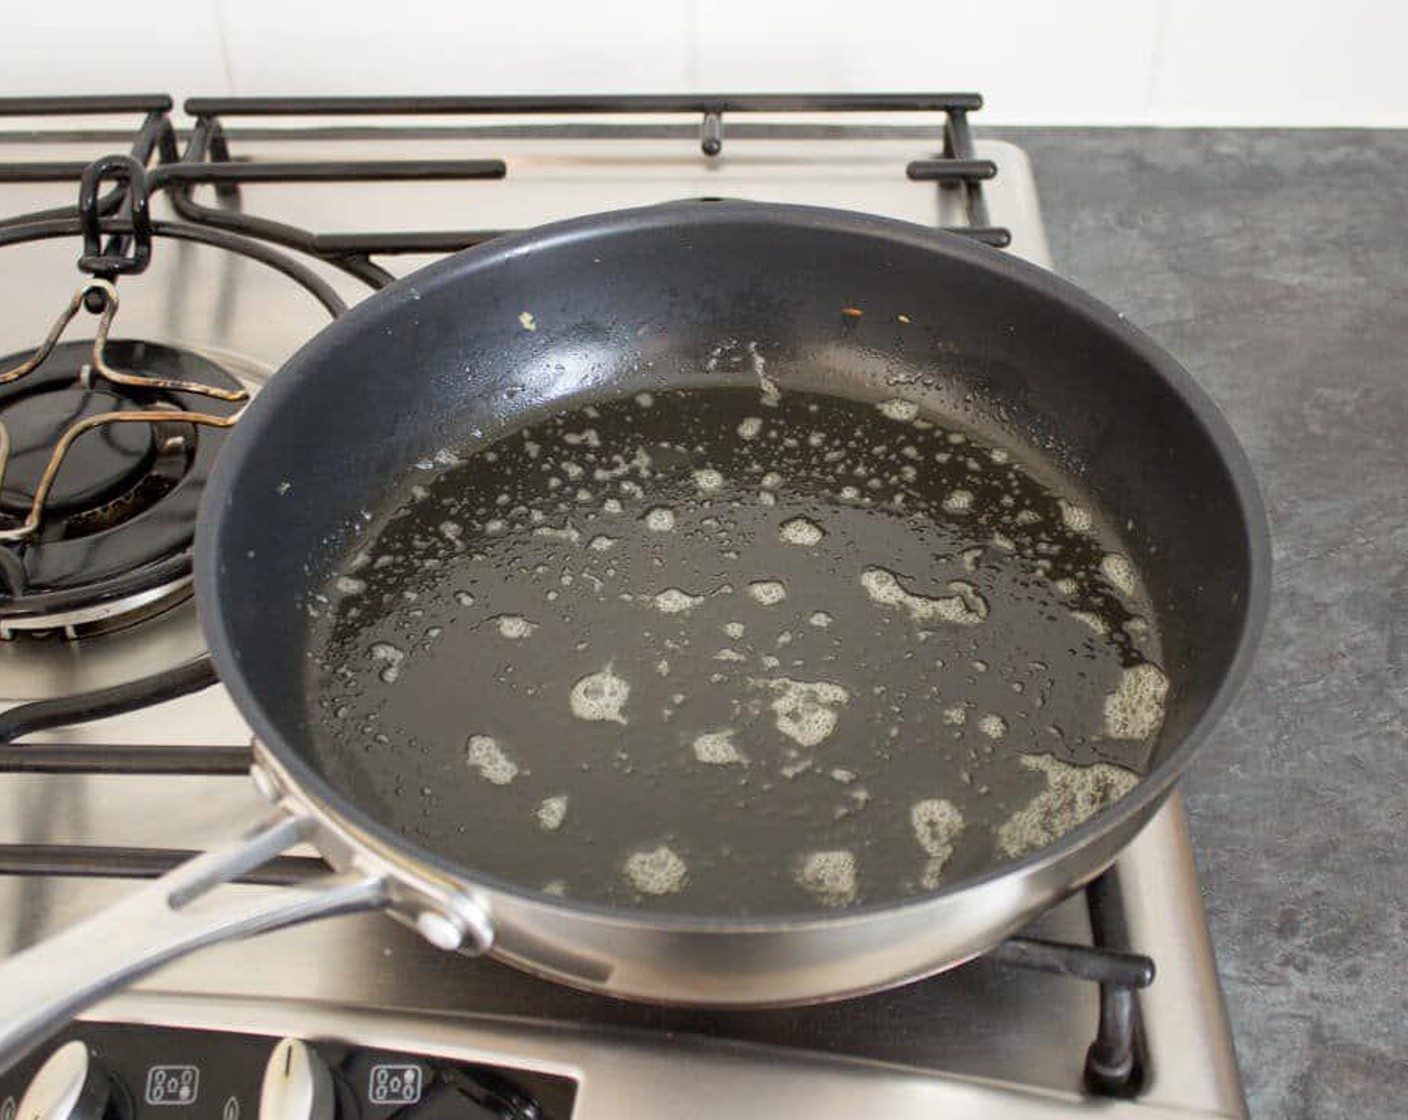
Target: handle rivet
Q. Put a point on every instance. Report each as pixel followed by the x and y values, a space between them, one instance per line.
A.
pixel 264 784
pixel 441 930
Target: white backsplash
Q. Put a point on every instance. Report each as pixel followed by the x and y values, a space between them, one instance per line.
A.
pixel 1256 62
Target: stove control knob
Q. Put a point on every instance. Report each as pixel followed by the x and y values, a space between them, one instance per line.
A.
pixel 71 1085
pixel 297 1084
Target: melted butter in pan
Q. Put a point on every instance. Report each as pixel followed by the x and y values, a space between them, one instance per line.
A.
pixel 701 651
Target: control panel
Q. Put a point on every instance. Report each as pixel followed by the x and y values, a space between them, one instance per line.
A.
pixel 118 1071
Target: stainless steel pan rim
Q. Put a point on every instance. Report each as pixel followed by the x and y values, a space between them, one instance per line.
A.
pixel 424 890
pixel 763 963
pixel 428 887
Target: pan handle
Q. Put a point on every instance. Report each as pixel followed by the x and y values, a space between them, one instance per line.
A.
pixel 44 986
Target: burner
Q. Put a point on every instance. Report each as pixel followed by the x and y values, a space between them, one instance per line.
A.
pixel 115 536
pixel 99 467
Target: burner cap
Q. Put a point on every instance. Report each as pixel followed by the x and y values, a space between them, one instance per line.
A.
pixel 99 466
pixel 115 539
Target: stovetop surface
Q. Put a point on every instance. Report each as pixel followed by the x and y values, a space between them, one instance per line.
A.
pixel 982 1023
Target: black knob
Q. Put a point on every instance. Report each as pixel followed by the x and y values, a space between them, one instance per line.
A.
pixel 71 1085
pixel 467 1093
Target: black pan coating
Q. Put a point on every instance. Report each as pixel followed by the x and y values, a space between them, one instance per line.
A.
pixel 643 300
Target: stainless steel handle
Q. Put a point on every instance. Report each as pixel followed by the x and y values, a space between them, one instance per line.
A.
pixel 42 987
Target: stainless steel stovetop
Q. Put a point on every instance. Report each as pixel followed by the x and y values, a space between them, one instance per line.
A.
pixel 986 1039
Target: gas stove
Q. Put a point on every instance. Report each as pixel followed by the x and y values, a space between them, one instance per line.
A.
pixel 232 236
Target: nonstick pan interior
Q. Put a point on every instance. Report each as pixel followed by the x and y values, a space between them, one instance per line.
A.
pixel 647 301
pixel 734 649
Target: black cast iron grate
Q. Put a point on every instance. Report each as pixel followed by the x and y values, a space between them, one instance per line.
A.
pixel 207 158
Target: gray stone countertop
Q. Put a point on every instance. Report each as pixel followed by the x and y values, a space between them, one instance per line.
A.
pixel 1274 264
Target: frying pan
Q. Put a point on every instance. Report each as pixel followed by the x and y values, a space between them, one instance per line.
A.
pixel 623 303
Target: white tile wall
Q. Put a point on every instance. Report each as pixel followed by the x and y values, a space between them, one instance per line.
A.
pixel 469 46
pixel 64 47
pixel 1067 60
pixel 1313 63
pixel 1038 61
